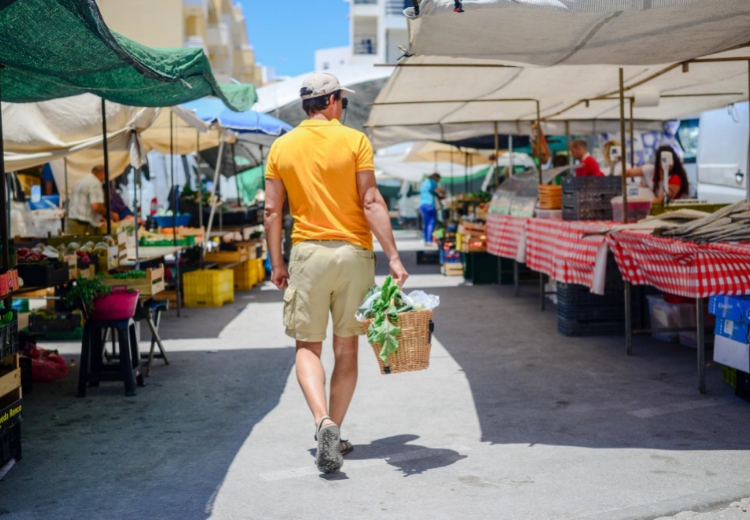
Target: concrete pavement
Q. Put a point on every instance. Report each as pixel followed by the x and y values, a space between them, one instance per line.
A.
pixel 511 421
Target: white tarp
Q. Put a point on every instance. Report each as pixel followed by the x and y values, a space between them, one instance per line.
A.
pixel 282 99
pixel 38 133
pixel 579 32
pixel 425 101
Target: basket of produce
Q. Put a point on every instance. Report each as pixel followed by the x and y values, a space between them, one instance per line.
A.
pixel 398 327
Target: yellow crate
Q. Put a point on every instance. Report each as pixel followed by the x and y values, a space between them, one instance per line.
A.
pixel 245 275
pixel 208 288
pixel 227 257
pixel 260 270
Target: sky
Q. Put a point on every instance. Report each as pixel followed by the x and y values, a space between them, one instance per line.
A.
pixel 286 33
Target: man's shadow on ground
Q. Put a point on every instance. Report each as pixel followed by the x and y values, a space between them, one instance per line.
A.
pixel 410 459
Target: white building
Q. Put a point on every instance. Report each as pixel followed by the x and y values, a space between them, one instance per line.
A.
pixel 333 57
pixel 377 28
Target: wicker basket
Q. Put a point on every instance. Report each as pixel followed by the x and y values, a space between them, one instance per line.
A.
pixel 414 344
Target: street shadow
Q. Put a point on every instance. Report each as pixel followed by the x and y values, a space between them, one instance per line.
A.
pixel 409 459
pixel 532 385
pixel 166 450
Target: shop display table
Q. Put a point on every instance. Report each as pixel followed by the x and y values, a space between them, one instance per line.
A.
pixel 685 269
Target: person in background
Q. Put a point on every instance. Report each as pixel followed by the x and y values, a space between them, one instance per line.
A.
pixel 428 195
pixel 653 176
pixel 87 209
pixel 117 204
pixel 48 181
pixel 589 166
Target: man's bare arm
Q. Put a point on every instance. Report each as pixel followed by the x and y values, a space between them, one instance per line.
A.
pixel 376 212
pixel 275 195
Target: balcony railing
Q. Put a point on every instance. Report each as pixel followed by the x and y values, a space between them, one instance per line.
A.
pixel 397 6
pixel 366 45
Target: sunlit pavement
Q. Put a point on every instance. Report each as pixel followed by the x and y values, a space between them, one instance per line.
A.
pixel 511 421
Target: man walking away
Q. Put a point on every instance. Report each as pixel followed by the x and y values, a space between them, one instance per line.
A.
pixel 327 171
pixel 589 166
pixel 87 208
pixel 428 194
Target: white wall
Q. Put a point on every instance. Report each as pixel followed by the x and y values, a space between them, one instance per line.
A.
pixel 333 57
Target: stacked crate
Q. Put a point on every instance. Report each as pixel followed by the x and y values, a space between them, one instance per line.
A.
pixel 589 198
pixel 11 405
pixel 581 313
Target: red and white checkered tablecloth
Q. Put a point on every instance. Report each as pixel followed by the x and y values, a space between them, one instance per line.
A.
pixel 682 268
pixel 506 236
pixel 561 250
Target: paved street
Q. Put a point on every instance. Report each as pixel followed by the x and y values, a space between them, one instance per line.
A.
pixel 512 421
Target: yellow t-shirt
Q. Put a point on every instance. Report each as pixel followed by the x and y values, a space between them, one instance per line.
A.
pixel 318 162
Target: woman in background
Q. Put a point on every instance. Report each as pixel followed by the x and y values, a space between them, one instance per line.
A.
pixel 678 186
pixel 428 195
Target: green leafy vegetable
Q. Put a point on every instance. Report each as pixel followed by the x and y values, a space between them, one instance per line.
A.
pixel 384 329
pixel 83 292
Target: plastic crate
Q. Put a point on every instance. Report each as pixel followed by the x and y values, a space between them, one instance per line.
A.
pixel 591 313
pixel 62 322
pixel 10 444
pixel 589 198
pixel 481 268
pixel 9 337
pixel 246 275
pixel 183 220
pixel 44 274
pixel 260 269
pixel 579 295
pixel 572 328
pixel 209 288
pixel 729 376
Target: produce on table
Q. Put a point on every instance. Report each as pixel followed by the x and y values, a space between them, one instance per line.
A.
pixel 130 275
pixel 7 318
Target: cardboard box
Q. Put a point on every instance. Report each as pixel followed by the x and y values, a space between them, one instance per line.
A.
pixel 735 330
pixel 732 353
pixel 735 308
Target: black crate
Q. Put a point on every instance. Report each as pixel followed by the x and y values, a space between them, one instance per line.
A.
pixel 428 257
pixel 591 313
pixel 43 274
pixel 481 268
pixel 27 383
pixel 568 293
pixel 572 328
pixel 9 337
pixel 63 322
pixel 589 198
pixel 10 444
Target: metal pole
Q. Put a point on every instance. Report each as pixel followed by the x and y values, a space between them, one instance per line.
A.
pixel 539 137
pixel 4 206
pixel 628 319
pixel 174 213
pixel 67 195
pixel 213 191
pixel 747 175
pixel 466 173
pixel 497 157
pixel 624 156
pixel 452 189
pixel 236 180
pixel 632 137
pixel 701 333
pixel 515 277
pixel 136 214
pixel 511 164
pixel 567 144
pixel 541 290
pixel 107 200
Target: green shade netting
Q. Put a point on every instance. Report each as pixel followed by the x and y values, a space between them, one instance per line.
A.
pixel 249 182
pixel 59 48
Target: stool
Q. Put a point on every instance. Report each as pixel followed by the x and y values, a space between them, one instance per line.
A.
pixel 93 370
pixel 150 311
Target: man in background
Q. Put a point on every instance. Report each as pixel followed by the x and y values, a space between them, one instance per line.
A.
pixel 589 166
pixel 87 209
pixel 428 195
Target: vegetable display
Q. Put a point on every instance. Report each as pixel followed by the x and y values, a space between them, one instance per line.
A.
pixel 83 292
pixel 130 275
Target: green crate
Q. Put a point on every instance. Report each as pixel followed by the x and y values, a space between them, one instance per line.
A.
pixel 186 241
pixel 481 268
pixel 729 375
pixel 658 209
pixel 72 335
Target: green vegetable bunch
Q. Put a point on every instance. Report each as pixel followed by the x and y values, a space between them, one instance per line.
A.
pixel 83 292
pixel 384 310
pixel 130 275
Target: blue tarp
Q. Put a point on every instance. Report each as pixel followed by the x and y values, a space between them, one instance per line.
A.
pixel 213 110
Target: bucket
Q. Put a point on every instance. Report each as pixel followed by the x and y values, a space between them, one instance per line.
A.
pixel 182 220
pixel 119 305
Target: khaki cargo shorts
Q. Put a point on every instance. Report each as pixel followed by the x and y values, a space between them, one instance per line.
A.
pixel 326 277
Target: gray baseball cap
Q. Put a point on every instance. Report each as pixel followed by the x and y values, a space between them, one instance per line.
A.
pixel 321 84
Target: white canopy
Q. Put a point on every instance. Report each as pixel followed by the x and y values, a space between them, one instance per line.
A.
pixel 579 32
pixel 282 99
pixel 449 99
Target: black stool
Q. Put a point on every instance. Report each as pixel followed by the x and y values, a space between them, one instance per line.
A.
pixel 150 312
pixel 93 370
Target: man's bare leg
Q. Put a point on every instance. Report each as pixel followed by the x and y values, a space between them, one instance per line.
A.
pixel 344 378
pixel 312 377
